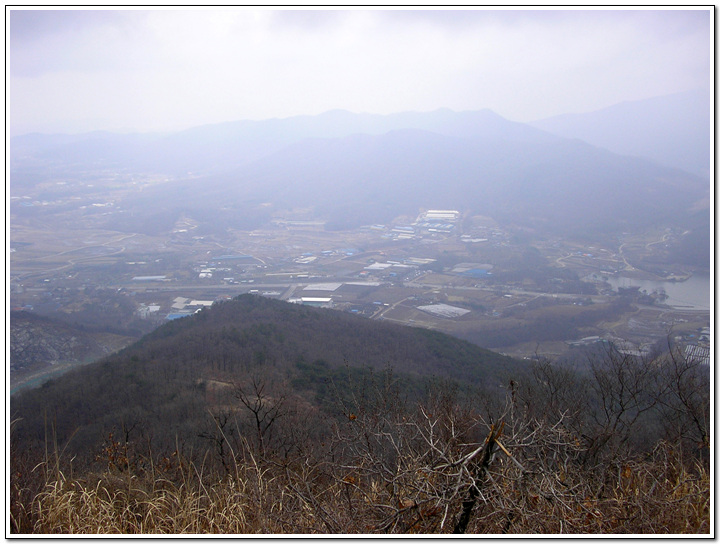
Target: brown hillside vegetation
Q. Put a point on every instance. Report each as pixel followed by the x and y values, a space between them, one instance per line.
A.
pixel 538 462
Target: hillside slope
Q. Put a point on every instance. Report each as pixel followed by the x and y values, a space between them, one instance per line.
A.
pixel 39 344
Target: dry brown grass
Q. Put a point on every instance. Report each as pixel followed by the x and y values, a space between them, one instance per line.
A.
pixel 653 496
pixel 112 504
pixel 385 467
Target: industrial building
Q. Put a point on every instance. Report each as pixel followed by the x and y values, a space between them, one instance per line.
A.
pixel 318 302
pixel 441 215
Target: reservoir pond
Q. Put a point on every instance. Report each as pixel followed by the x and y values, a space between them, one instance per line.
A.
pixel 691 294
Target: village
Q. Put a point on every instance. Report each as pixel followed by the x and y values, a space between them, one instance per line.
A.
pixel 443 269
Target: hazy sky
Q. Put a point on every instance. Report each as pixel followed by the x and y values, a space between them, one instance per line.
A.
pixel 148 70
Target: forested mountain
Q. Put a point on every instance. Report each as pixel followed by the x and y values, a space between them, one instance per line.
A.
pixel 167 381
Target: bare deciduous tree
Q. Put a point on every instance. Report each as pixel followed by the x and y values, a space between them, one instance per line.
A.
pixel 264 409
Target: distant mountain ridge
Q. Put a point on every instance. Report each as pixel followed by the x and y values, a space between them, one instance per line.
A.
pixel 223 146
pixel 356 169
pixel 550 184
pixel 673 130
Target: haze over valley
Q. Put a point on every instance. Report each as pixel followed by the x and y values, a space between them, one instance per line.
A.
pixel 359 271
pixel 380 215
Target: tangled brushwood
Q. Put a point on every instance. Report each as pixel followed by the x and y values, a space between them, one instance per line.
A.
pixel 538 461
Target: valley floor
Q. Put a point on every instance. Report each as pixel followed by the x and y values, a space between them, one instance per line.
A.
pixel 475 280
